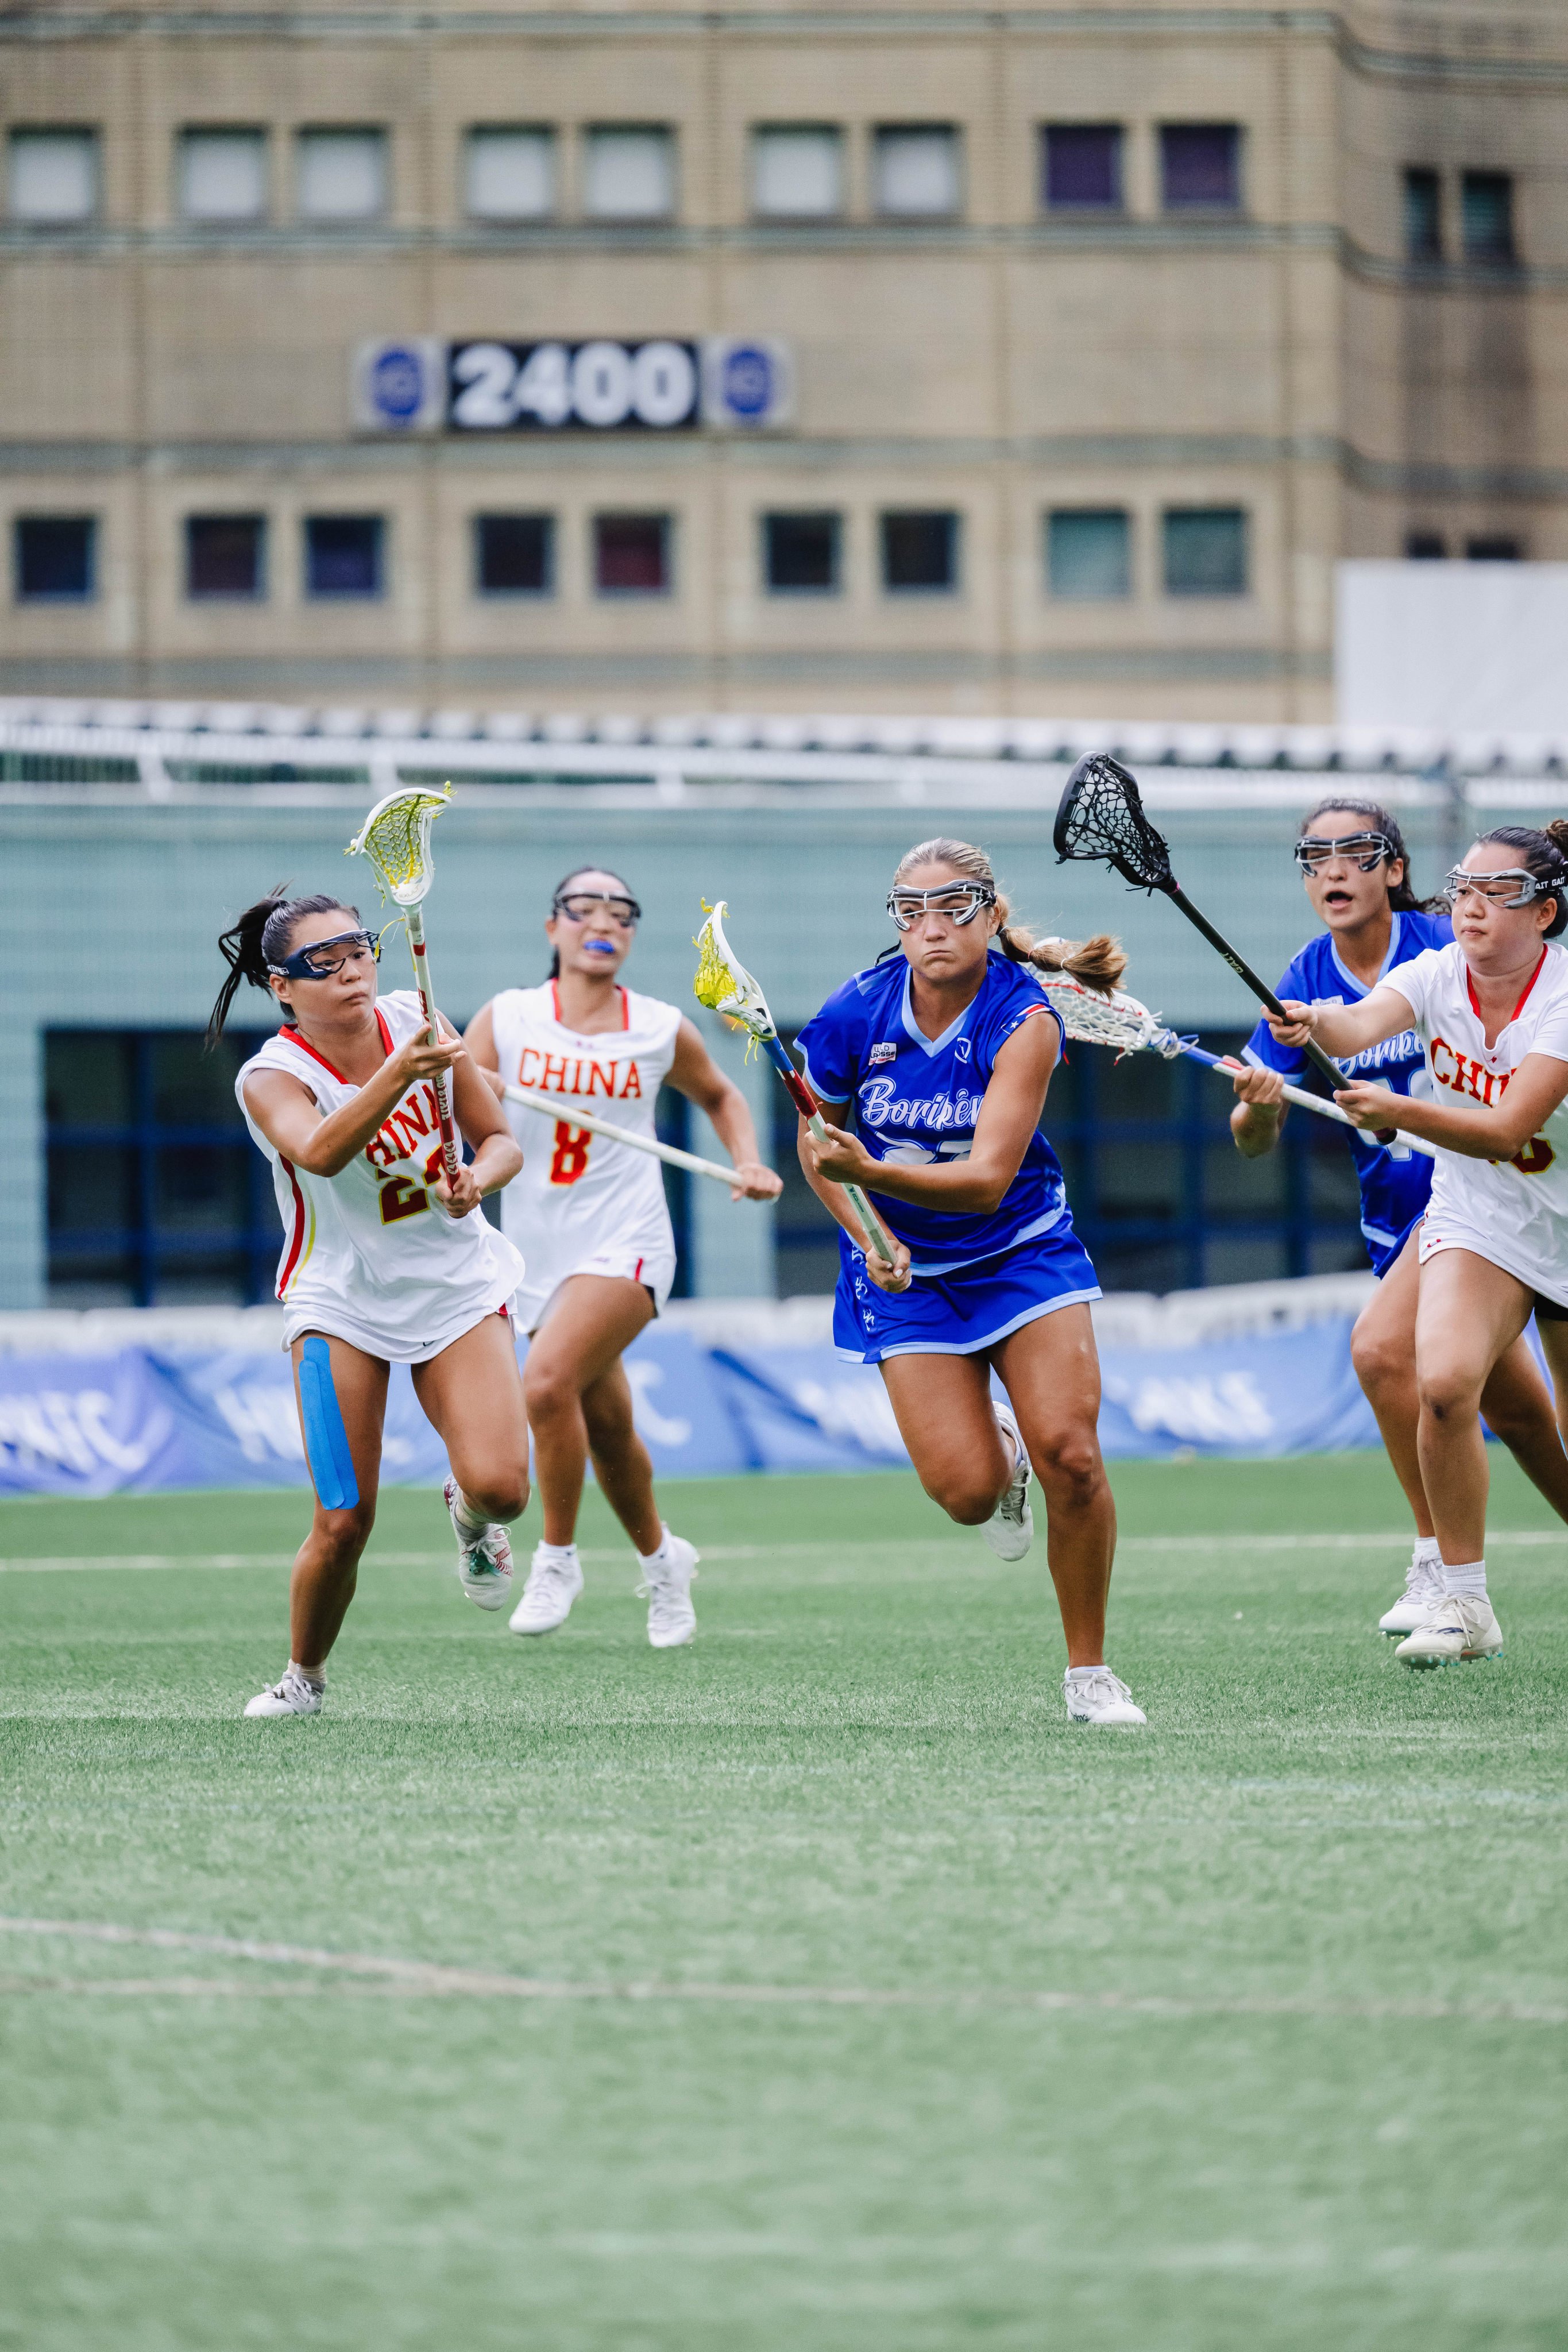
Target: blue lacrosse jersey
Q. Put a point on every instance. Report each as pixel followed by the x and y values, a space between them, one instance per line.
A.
pixel 917 1098
pixel 1394 1180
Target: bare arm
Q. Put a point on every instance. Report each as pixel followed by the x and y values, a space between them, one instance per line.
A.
pixel 1500 1132
pixel 695 1073
pixel 1008 1117
pixel 479 1038
pixel 1259 1112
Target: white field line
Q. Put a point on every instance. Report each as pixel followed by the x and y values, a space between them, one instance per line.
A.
pixel 426 1978
pixel 1307 1540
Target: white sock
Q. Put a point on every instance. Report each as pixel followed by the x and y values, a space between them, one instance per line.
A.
pixel 470 1523
pixel 1082 1674
pixel 652 1559
pixel 1426 1553
pixel 315 1676
pixel 558 1555
pixel 1469 1580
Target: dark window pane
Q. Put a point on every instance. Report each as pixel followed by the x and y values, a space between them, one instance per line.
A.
pixel 801 552
pixel 1206 552
pixel 88 1077
pixel 919 552
pixel 1425 547
pixel 191 1088
pixel 1493 547
pixel 1486 214
pixel 1422 216
pixel 514 554
pixel 631 555
pixel 224 555
pixel 1088 551
pixel 343 555
pixel 1083 166
pixel 54 557
pixel 1199 164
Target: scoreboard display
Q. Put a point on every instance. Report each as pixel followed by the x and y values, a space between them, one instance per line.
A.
pixel 664 383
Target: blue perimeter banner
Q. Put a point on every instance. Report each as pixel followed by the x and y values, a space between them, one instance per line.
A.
pixel 141 1421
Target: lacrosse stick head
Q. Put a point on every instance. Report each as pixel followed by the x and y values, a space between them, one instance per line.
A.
pixel 1100 818
pixel 1095 1018
pixel 396 837
pixel 723 984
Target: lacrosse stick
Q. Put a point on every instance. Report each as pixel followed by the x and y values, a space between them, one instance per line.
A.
pixel 555 1106
pixel 396 837
pixel 1101 819
pixel 725 986
pixel 1122 1023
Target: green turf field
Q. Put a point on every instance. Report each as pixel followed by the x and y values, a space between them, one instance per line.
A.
pixel 975 2028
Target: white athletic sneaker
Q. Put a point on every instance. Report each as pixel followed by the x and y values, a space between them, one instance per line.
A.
pixel 1422 1586
pixel 1456 1625
pixel 1010 1529
pixel 667 1586
pixel 484 1569
pixel 553 1584
pixel 1099 1698
pixel 292 1695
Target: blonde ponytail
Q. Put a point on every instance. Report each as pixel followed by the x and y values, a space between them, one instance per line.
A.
pixel 1099 962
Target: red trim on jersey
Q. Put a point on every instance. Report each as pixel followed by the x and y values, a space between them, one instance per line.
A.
pixel 626 1006
pixel 556 1001
pixel 1519 1008
pixel 306 1047
pixel 297 1238
pixel 638 1276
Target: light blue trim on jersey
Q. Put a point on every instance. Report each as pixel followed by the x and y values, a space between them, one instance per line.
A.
pixel 1030 1233
pixel 1033 1314
pixel 912 1028
pixel 1375 1233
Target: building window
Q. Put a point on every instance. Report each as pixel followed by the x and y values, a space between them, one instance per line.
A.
pixel 1206 552
pixel 920 553
pixel 344 555
pixel 1425 547
pixel 629 173
pixel 797 171
pixel 223 175
pixel 52 176
pixel 917 171
pixel 55 559
pixel 1089 552
pixel 1200 167
pixel 224 557
pixel 155 1190
pixel 1494 547
pixel 1081 167
pixel 800 554
pixel 508 172
pixel 1422 215
pixel 341 176
pixel 631 554
pixel 514 554
pixel 1486 217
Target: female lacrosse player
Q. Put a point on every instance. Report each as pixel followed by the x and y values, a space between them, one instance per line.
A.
pixel 384 1260
pixel 1491 1010
pixel 601 1253
pixel 1356 871
pixel 944 1056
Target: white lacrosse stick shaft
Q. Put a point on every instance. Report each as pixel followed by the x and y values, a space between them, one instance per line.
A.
pixel 558 1107
pixel 451 1158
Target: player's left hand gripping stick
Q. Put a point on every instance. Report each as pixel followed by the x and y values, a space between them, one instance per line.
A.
pixel 326 1440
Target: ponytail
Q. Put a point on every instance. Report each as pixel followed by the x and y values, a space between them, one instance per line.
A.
pixel 259 939
pixel 1098 962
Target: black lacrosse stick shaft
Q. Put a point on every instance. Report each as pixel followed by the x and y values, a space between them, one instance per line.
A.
pixel 1244 971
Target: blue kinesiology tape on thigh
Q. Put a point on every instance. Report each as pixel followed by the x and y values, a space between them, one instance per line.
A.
pixel 326 1439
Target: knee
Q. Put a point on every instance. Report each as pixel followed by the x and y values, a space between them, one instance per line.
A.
pixel 956 1492
pixel 344 1534
pixel 1379 1363
pixel 1070 1470
pixel 500 1493
pixel 549 1391
pixel 1447 1392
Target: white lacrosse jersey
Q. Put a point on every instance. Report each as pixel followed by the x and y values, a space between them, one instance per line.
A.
pixel 368 1255
pixel 1513 1212
pixel 585 1203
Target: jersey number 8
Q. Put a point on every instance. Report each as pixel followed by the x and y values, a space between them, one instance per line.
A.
pixel 570 1158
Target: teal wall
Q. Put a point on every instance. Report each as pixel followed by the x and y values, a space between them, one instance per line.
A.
pixel 112 912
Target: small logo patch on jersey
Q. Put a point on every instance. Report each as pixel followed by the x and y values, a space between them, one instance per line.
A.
pixel 886 1052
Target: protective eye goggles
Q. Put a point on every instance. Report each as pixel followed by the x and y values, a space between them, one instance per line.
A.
pixel 960 901
pixel 1510 886
pixel 1365 851
pixel 578 906
pixel 322 958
